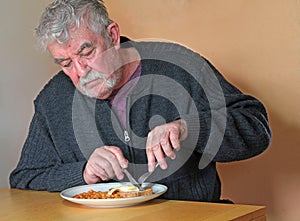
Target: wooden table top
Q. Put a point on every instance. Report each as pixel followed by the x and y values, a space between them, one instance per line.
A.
pixel 41 205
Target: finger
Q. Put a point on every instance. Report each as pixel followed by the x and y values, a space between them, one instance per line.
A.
pixel 118 153
pixel 151 159
pixel 149 151
pixel 112 159
pixel 183 130
pixel 102 161
pixel 160 157
pixel 92 174
pixel 174 138
pixel 102 174
pixel 90 178
pixel 167 149
pixel 106 166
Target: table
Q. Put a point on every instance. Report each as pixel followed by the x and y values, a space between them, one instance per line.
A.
pixel 41 205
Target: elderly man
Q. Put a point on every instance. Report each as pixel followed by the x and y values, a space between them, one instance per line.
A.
pixel 121 104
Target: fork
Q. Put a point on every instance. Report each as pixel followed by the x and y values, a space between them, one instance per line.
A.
pixel 145 176
pixel 132 180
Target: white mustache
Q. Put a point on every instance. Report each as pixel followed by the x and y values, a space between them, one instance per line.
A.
pixel 94 75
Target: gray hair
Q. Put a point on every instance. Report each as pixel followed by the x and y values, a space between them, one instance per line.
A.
pixel 63 15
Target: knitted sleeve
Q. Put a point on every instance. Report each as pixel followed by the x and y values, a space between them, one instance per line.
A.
pixel 236 128
pixel 228 125
pixel 40 166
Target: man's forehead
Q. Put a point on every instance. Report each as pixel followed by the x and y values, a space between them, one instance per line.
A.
pixel 77 37
pixel 70 47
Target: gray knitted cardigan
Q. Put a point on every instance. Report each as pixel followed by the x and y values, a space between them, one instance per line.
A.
pixel 67 126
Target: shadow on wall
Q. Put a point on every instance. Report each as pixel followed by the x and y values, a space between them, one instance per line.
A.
pixel 271 179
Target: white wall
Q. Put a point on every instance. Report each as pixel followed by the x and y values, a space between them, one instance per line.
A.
pixel 24 71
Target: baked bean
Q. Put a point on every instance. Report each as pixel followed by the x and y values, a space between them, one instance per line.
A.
pixel 91 194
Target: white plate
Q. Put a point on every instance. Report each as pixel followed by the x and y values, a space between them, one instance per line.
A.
pixel 67 194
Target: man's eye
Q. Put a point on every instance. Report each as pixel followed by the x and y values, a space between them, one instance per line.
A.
pixel 66 65
pixel 88 53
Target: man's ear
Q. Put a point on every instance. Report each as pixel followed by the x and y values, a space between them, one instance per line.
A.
pixel 114 34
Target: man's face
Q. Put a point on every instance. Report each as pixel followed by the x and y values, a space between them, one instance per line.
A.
pixel 92 65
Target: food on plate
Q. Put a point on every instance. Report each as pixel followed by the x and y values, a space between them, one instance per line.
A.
pixel 114 193
pixel 129 191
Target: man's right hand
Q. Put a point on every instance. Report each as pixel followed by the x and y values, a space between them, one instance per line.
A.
pixel 105 163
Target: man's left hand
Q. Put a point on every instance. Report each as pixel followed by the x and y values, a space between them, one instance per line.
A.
pixel 163 140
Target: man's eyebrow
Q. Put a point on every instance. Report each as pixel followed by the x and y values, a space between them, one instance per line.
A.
pixel 60 60
pixel 83 46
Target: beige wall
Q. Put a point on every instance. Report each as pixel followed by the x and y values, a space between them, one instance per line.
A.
pixel 24 71
pixel 254 43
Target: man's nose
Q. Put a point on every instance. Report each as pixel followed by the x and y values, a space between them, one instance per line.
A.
pixel 82 67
